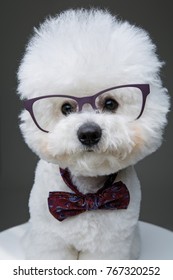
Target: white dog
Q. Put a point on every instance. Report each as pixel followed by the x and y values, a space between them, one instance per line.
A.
pixel 97 106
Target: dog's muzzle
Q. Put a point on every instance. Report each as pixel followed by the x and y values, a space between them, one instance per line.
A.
pixel 89 134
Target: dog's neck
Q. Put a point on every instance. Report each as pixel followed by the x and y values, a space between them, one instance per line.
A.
pixel 88 184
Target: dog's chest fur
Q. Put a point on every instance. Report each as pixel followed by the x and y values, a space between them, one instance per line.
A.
pixel 87 230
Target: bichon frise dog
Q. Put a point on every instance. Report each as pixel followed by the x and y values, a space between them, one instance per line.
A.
pixel 94 106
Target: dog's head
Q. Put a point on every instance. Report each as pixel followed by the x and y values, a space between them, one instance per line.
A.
pixel 92 88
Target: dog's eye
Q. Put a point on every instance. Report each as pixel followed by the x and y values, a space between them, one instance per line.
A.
pixel 110 105
pixel 67 109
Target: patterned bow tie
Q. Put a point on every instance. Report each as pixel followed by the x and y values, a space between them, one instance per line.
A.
pixel 110 197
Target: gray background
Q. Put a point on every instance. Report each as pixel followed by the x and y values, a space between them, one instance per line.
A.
pixel 18 162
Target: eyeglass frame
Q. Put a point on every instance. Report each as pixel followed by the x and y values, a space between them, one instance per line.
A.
pixel 28 103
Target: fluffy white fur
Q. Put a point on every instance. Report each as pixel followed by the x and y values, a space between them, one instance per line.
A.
pixel 80 53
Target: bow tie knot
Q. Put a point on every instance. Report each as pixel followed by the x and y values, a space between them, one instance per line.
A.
pixel 65 204
pixel 88 201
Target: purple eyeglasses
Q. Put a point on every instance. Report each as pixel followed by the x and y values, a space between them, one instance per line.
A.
pixel 127 100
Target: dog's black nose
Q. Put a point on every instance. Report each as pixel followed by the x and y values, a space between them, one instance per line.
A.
pixel 89 134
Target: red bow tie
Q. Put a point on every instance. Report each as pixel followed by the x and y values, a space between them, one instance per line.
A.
pixel 111 196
